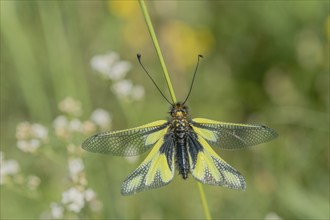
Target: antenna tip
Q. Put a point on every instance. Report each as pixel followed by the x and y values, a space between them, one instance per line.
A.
pixel 138 56
pixel 200 56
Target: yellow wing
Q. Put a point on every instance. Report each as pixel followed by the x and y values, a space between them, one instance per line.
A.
pixel 129 142
pixel 232 136
pixel 207 167
pixel 156 170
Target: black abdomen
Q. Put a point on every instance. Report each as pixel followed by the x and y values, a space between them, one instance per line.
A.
pixel 182 158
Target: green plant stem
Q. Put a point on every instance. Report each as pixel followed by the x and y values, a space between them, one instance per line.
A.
pixel 159 52
pixel 204 202
pixel 169 84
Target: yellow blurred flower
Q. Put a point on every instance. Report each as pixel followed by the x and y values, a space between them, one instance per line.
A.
pixel 124 9
pixel 185 42
pixel 135 34
pixel 133 31
pixel 177 38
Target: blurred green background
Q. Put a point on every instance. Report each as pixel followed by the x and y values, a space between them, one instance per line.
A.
pixel 265 62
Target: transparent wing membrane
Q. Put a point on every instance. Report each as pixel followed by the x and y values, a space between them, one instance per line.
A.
pixel 232 136
pixel 128 142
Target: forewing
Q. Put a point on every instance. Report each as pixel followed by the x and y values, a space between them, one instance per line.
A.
pixel 232 136
pixel 156 170
pixel 129 142
pixel 207 167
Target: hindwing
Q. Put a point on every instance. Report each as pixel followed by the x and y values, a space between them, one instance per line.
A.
pixel 207 167
pixel 155 171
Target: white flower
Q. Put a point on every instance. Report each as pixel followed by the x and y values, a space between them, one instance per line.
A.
pixel 23 145
pixel 115 69
pixel 137 92
pixel 90 195
pixel 26 130
pixel 73 199
pixel 119 70
pixel 56 210
pixel 70 106
pixel 76 125
pixel 103 63
pixel 23 130
pixel 75 167
pixel 61 125
pixel 7 168
pixel 110 66
pixel 33 182
pixel 101 117
pixel 39 131
pixel 60 122
pixel 123 88
pixel 30 136
pixel 28 145
pixel 64 127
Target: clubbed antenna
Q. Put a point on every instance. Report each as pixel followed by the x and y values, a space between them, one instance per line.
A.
pixel 192 82
pixel 139 58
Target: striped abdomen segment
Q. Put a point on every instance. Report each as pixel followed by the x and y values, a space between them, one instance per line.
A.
pixel 182 158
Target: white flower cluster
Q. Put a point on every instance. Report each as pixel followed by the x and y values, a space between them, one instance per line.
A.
pixel 110 66
pixel 8 168
pixel 76 198
pixel 33 182
pixel 73 200
pixel 76 167
pixel 66 125
pixel 125 90
pixel 70 106
pixel 9 172
pixel 30 136
pixel 78 195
